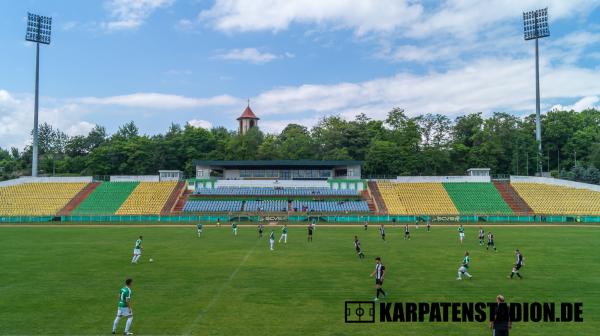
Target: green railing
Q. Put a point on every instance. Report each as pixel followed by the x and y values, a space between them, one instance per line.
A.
pixel 303 218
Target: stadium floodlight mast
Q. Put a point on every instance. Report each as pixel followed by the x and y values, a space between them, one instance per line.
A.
pixel 38 31
pixel 535 27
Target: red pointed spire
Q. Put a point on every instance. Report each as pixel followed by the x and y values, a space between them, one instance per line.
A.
pixel 248 113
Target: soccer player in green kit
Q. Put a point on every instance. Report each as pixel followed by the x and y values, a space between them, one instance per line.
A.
pixel 234 228
pixel 464 267
pixel 137 251
pixel 199 230
pixel 461 233
pixel 272 239
pixel 284 232
pixel 124 308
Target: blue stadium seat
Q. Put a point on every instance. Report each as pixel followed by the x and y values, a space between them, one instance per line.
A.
pixel 266 205
pixel 261 191
pixel 212 206
pixel 331 206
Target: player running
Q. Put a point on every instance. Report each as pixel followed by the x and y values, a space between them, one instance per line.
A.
pixel 490 242
pixel 272 239
pixel 481 236
pixel 428 224
pixel 284 232
pixel 406 232
pixel 461 233
pixel 234 228
pixel 358 249
pixel 382 232
pixel 417 223
pixel 464 267
pixel 379 274
pixel 310 232
pixel 366 225
pixel 124 308
pixel 199 226
pixel 518 264
pixel 137 251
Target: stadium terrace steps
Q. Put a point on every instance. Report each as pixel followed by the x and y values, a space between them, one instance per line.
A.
pixel 147 198
pixel 105 199
pixel 476 198
pixel 367 198
pixel 173 198
pixel 512 198
pixel 37 199
pixel 377 199
pixel 545 199
pixel 80 197
pixel 183 198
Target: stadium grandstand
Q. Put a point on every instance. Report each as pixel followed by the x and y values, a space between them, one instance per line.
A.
pixel 297 190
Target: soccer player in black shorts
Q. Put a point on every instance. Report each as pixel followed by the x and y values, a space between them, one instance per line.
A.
pixel 379 274
pixel 382 232
pixel 406 232
pixel 490 242
pixel 357 247
pixel 260 230
pixel 481 236
pixel 310 232
pixel 518 265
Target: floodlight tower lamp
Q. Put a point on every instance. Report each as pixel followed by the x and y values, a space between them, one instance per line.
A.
pixel 39 29
pixel 535 27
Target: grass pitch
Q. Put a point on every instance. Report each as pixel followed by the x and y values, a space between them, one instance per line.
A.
pixel 66 280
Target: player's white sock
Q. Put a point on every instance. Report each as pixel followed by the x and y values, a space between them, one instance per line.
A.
pixel 467 274
pixel 133 259
pixel 459 276
pixel 137 257
pixel 116 323
pixel 128 324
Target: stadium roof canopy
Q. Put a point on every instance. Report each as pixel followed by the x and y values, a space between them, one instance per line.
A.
pixel 277 163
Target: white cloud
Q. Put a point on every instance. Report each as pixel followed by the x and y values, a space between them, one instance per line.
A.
pixel 361 15
pixel 16 118
pixel 584 103
pixel 80 128
pixel 276 126
pixel 159 101
pixel 70 25
pixel 185 24
pixel 486 85
pixel 130 14
pixel 409 18
pixel 199 123
pixel 251 55
pixel 571 47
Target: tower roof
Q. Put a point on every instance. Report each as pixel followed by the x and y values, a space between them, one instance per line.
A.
pixel 248 114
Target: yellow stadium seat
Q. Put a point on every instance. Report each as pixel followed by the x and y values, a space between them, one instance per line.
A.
pixel 547 199
pixel 147 198
pixel 37 199
pixel 416 199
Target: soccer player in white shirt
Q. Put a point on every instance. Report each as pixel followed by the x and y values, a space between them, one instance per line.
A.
pixel 272 239
pixel 137 251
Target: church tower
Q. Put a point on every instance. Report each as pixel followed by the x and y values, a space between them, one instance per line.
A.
pixel 247 120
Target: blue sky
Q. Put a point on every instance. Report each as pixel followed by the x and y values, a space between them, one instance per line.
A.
pixel 198 61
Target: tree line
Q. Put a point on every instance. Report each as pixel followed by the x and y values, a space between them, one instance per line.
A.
pixel 430 144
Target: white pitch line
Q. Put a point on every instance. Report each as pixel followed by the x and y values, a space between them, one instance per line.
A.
pixel 218 295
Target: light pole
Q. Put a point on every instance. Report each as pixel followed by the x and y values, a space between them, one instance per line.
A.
pixel 535 27
pixel 38 31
